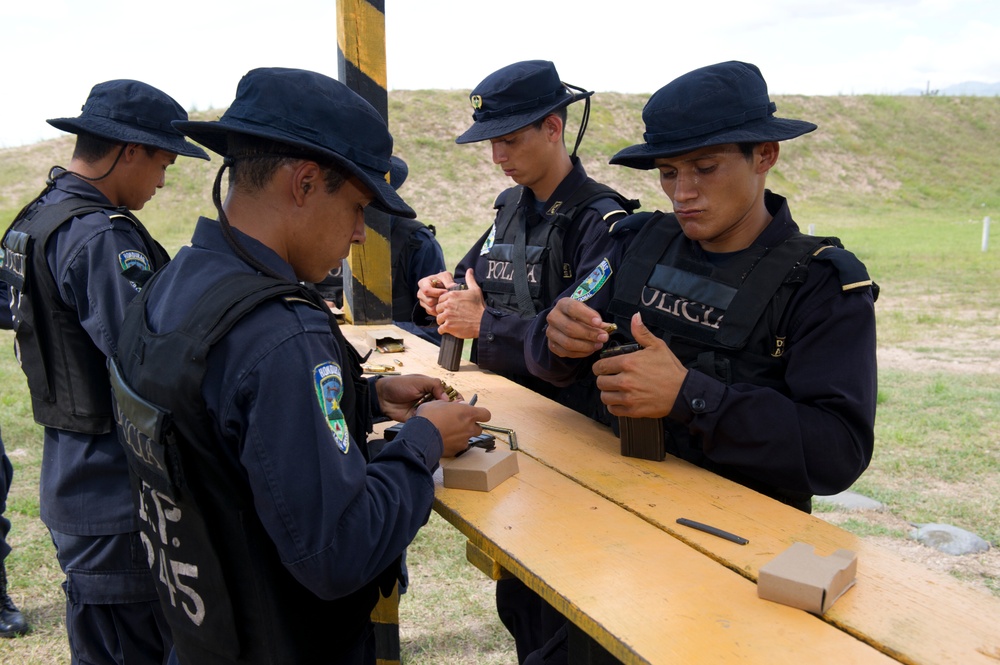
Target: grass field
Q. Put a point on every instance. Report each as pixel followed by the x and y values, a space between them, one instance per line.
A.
pixel 904 182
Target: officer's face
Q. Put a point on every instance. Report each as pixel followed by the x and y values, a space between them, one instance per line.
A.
pixel 146 174
pixel 717 194
pixel 522 155
pixel 337 222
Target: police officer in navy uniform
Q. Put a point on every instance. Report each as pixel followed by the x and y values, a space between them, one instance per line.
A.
pixel 415 252
pixel 249 458
pixel 74 257
pixel 757 341
pixel 550 229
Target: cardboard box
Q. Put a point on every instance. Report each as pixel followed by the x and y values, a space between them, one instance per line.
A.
pixel 384 341
pixel 803 579
pixel 477 469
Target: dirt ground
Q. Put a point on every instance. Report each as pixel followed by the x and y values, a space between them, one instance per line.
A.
pixel 980 570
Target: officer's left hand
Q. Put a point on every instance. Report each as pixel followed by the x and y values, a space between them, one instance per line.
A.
pixel 643 384
pixel 397 395
pixel 461 312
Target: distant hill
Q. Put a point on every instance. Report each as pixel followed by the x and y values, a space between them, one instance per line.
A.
pixel 871 154
pixel 969 88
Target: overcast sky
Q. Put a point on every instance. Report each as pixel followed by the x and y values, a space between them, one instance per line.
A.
pixel 53 51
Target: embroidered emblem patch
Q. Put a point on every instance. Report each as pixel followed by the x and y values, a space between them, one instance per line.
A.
pixel 490 239
pixel 330 389
pixel 136 262
pixel 477 101
pixel 133 257
pixel 595 280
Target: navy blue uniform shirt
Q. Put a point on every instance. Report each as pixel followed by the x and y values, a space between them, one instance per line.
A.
pixel 336 520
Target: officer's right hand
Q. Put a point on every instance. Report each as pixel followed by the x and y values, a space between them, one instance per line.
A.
pixel 574 330
pixel 432 287
pixel 456 421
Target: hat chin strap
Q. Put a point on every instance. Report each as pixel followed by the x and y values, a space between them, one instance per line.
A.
pixel 584 121
pixel 106 173
pixel 227 230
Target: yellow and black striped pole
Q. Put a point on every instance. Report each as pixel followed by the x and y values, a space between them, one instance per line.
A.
pixel 361 66
pixel 368 270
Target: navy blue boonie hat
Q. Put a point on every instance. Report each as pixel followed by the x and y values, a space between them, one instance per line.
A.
pixel 398 170
pixel 515 96
pixel 126 111
pixel 316 113
pixel 722 103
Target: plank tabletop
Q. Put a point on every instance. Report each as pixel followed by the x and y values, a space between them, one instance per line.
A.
pixel 904 610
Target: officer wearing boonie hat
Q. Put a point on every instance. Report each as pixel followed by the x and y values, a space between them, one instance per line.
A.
pixel 550 230
pixel 281 528
pixel 757 341
pixel 74 257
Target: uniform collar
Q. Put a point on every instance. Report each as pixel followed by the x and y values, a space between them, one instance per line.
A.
pixel 208 234
pixel 573 180
pixel 75 186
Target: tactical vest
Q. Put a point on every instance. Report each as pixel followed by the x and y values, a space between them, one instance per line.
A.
pixel 728 323
pixel 225 592
pixel 534 256
pixel 402 243
pixel 67 374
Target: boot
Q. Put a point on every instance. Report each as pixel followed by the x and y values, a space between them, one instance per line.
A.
pixel 12 622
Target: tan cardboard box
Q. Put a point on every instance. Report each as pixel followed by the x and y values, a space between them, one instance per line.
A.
pixel 477 469
pixel 384 341
pixel 803 579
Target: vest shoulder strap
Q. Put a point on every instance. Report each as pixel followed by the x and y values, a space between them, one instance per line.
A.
pixel 761 285
pixel 853 273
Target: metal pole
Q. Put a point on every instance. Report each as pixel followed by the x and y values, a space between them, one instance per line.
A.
pixel 361 66
pixel 986 233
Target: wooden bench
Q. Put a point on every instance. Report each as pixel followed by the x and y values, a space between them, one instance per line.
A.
pixel 596 534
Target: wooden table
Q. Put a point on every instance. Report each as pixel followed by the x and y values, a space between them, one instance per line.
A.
pixel 595 534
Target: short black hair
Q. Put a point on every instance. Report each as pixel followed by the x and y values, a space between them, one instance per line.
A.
pixel 91 148
pixel 747 148
pixel 255 161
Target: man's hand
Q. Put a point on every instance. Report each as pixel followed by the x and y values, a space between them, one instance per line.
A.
pixel 398 395
pixel 460 313
pixel 574 330
pixel 432 287
pixel 643 384
pixel 456 421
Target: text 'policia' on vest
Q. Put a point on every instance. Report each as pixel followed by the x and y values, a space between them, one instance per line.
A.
pixel 73 394
pixel 547 273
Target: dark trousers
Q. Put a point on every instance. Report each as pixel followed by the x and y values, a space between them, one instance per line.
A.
pixel 542 635
pixel 6 473
pixel 113 615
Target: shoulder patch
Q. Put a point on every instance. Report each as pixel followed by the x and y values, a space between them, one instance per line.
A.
pixel 488 243
pixel 133 258
pixel 595 280
pixel 330 389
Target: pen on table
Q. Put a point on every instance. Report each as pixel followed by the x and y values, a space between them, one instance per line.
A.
pixel 739 540
pixel 472 402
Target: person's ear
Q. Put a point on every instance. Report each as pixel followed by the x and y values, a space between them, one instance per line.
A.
pixel 767 155
pixel 552 125
pixel 305 180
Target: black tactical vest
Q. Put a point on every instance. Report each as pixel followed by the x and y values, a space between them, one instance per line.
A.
pixel 226 594
pixel 67 374
pixel 533 253
pixel 403 245
pixel 728 323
